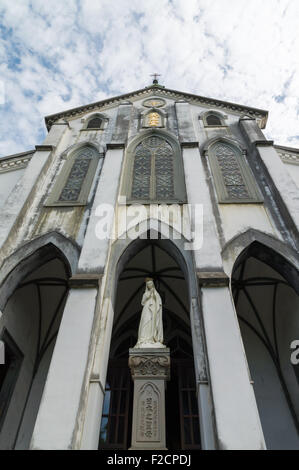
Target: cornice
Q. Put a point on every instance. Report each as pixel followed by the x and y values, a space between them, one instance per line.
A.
pixel 16 161
pixel 162 92
pixel 288 154
pixel 212 279
pixel 80 281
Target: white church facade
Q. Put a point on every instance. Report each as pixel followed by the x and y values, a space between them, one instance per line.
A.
pixel 187 193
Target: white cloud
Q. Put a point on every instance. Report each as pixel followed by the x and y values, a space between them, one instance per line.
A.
pixel 56 55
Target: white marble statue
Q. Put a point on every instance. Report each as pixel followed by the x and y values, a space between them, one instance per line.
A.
pixel 150 333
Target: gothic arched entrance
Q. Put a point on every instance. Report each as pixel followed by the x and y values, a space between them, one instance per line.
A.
pixel 28 328
pixel 182 416
pixel 264 287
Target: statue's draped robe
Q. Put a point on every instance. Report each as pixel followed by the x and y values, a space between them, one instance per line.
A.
pixel 151 326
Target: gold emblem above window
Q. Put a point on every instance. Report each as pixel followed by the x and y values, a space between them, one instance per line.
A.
pixel 154 120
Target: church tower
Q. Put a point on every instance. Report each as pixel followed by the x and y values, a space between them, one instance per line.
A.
pixel 182 192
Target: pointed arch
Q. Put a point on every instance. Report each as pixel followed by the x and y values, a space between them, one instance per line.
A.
pixel 154 169
pixel 233 179
pixel 73 183
pixel 95 121
pixel 173 241
pixel 99 148
pixel 288 257
pixel 33 254
pixel 213 119
pixel 266 294
pixel 32 295
pixel 174 244
pixel 166 262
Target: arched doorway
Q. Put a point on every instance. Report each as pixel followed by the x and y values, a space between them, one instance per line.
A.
pixel 182 425
pixel 264 287
pixel 28 328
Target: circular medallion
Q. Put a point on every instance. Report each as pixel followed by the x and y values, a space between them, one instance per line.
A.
pixel 153 103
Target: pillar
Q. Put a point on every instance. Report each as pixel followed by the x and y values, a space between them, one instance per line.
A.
pixel 57 417
pixel 236 415
pixel 150 369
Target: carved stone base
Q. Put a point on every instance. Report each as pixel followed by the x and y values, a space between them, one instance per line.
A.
pixel 150 368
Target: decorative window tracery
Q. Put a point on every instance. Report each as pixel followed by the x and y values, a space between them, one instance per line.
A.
pixel 73 184
pixel 72 188
pixel 155 172
pixel 233 178
pixel 153 169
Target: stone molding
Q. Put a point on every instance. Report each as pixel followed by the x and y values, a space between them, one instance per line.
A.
pixel 44 148
pixel 212 279
pixel 15 163
pixel 79 281
pixel 161 92
pixel 115 145
pixel 263 143
pixel 149 363
pixel 288 156
pixel 188 145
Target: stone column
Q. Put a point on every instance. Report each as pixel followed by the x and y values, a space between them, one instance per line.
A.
pixel 207 256
pixel 236 415
pixel 150 369
pixel 56 422
pixel 94 252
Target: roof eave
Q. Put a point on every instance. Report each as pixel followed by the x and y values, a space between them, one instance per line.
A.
pixel 246 109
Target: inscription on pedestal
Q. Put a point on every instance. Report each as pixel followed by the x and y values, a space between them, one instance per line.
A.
pixel 150 368
pixel 148 409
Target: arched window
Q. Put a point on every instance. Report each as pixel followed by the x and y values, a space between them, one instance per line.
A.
pixel 213 120
pixel 155 171
pixel 73 184
pixel 232 176
pixel 94 123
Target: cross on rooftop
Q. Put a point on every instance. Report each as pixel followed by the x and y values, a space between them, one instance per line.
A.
pixel 155 75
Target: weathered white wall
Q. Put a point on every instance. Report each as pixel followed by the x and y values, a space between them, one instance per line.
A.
pixel 237 218
pixel 8 180
pixel 62 393
pixel 293 171
pixel 237 421
pixel 208 255
pixel 95 249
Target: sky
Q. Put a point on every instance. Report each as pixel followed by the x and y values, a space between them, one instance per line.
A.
pixel 56 55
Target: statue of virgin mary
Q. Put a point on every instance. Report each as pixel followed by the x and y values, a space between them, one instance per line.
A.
pixel 150 333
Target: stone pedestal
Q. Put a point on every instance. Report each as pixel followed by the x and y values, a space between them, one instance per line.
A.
pixel 150 368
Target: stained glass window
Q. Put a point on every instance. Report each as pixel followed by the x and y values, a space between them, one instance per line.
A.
pixel 76 177
pixel 153 170
pixel 233 178
pixel 73 183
